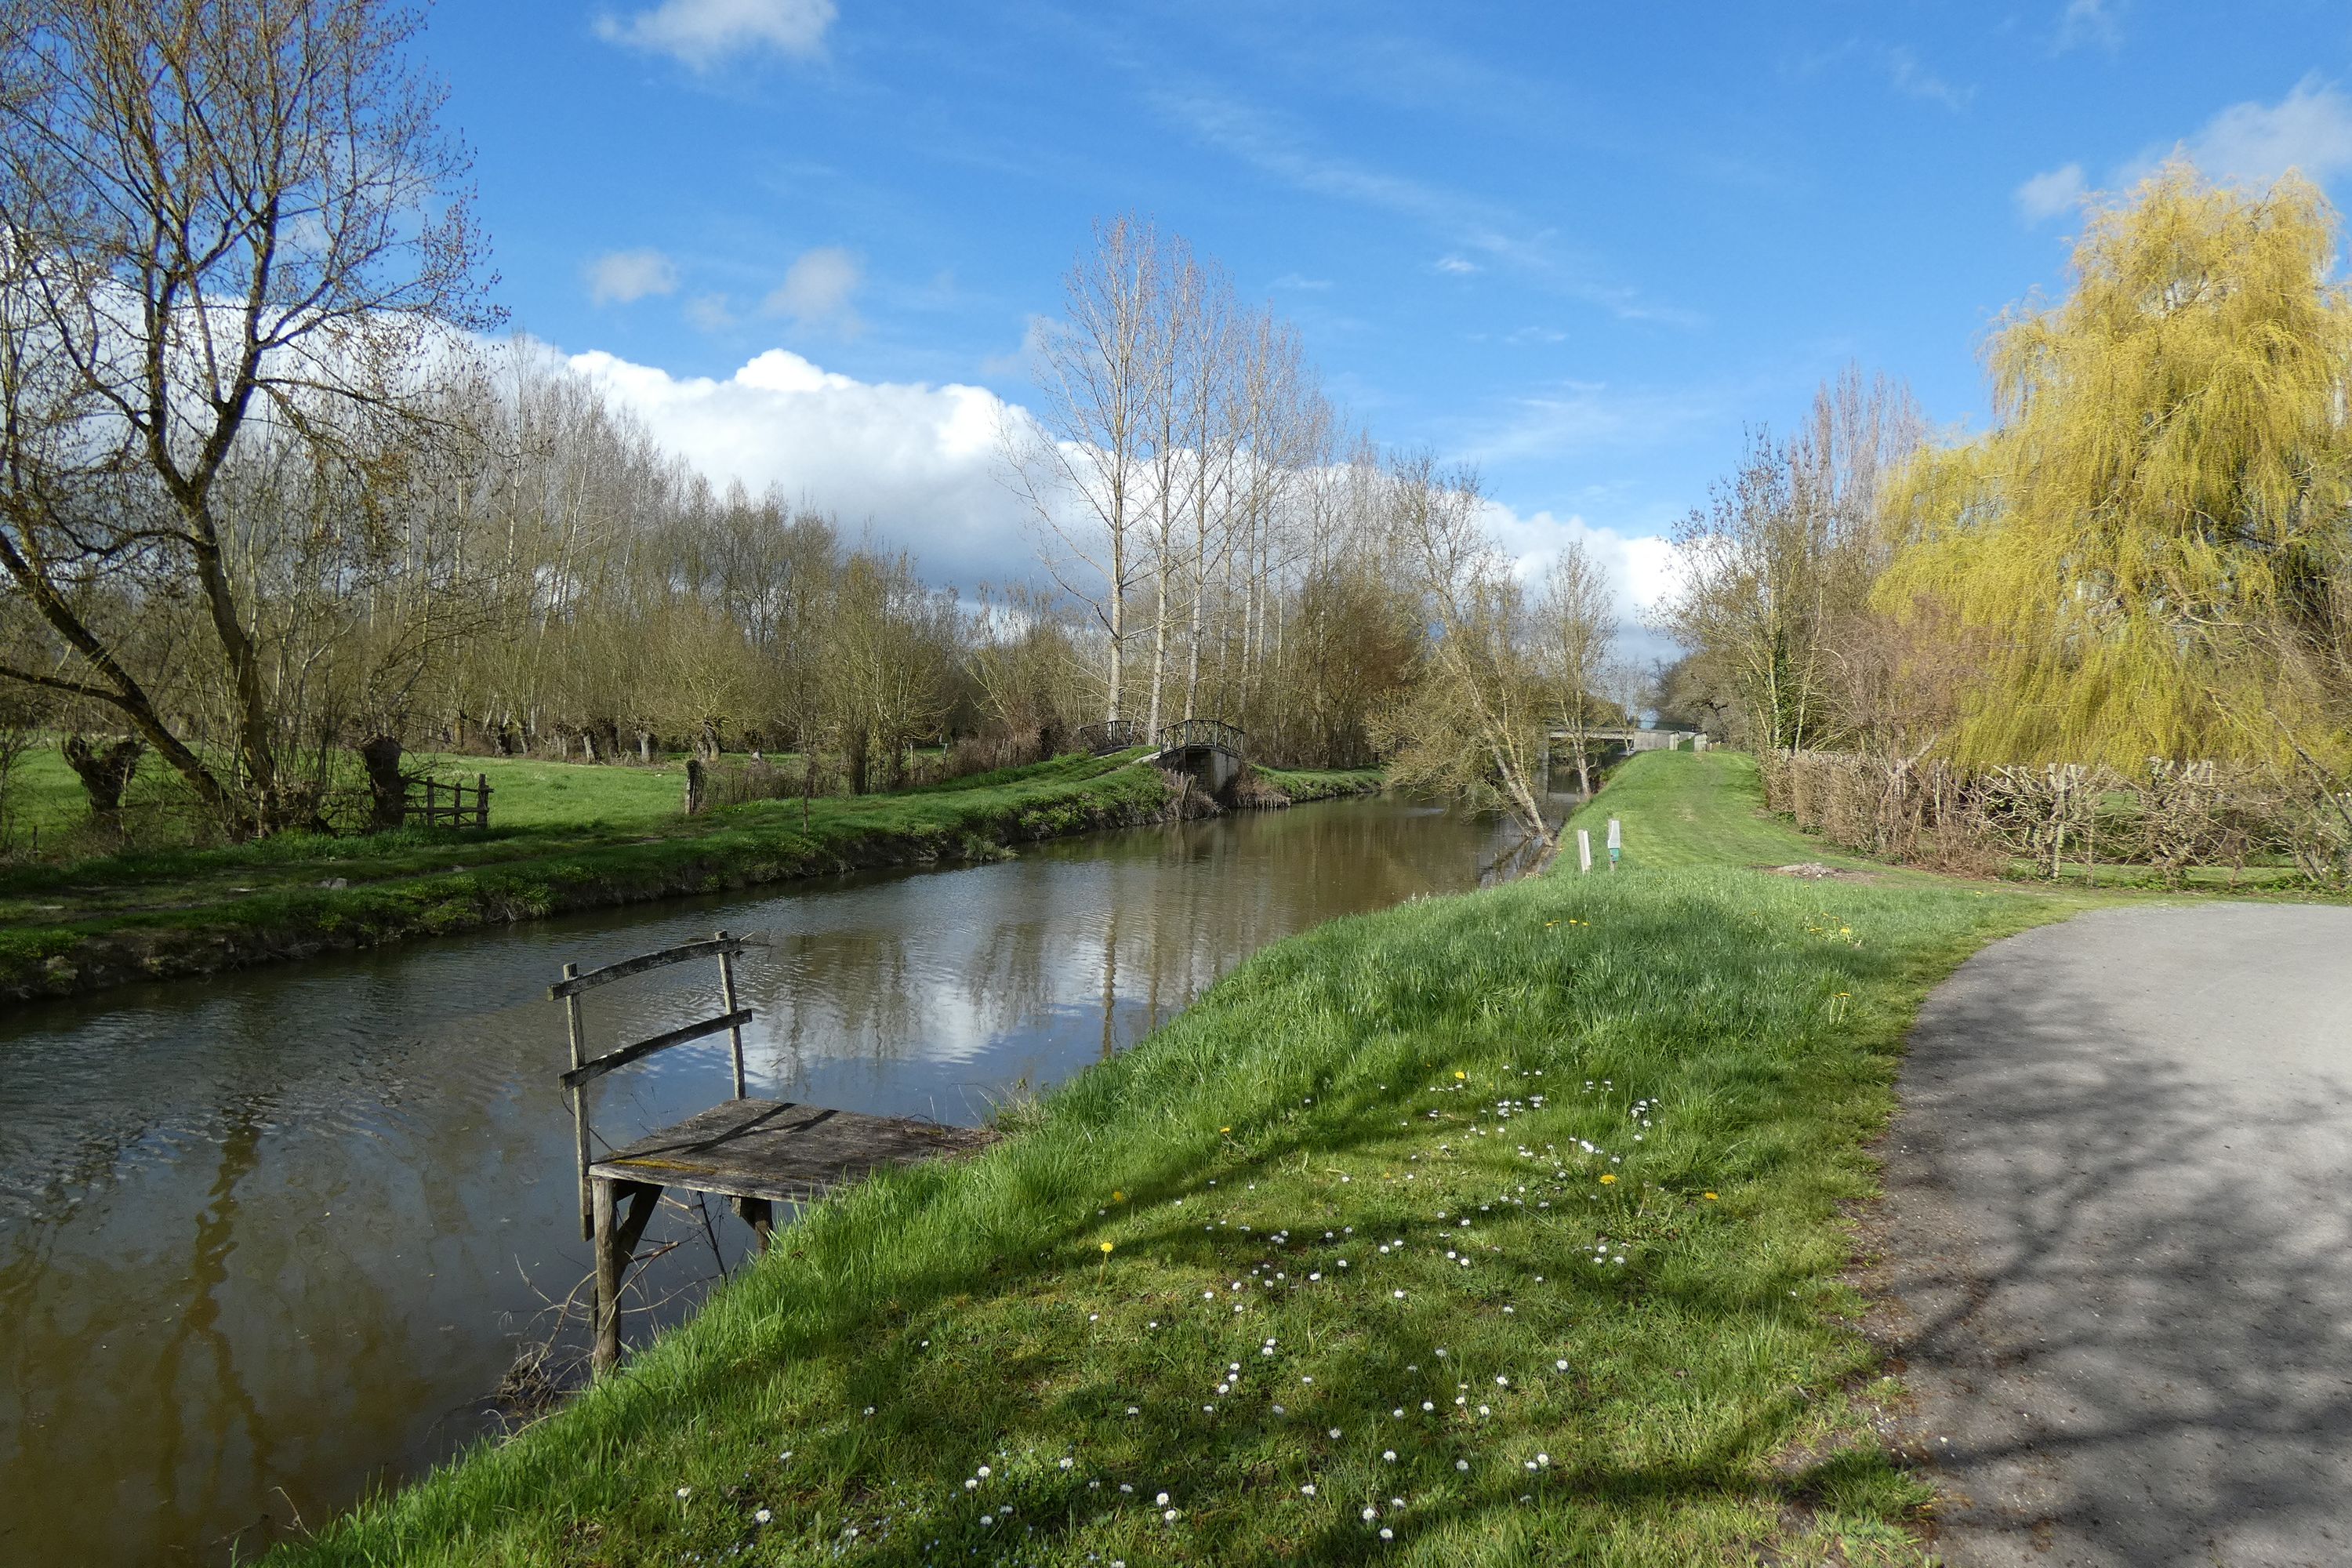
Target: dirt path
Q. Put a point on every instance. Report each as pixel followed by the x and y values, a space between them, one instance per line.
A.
pixel 2118 1238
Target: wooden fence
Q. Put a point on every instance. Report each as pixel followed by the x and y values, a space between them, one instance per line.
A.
pixel 453 805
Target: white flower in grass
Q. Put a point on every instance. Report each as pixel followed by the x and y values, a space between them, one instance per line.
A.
pixel 1067 1464
pixel 762 1517
pixel 1461 1463
pixel 1370 1514
pixel 1387 1534
pixel 1390 1455
pixel 1308 1489
pixel 1334 1431
pixel 685 1492
pixel 1160 1502
pixel 1560 1365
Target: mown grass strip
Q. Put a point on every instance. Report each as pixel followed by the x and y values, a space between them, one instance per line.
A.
pixel 1502 1229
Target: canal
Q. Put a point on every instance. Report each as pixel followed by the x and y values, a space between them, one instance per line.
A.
pixel 270 1239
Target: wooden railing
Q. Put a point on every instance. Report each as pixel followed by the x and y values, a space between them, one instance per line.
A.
pixel 1186 734
pixel 454 805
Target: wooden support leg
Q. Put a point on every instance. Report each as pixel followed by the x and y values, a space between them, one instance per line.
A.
pixel 760 1215
pixel 616 1243
pixel 608 1280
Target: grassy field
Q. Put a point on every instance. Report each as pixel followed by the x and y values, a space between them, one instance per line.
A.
pixel 525 792
pixel 566 836
pixel 1503 1228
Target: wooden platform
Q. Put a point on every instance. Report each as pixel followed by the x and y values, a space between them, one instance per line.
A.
pixel 782 1152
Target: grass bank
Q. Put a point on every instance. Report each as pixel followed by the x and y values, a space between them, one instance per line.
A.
pixel 1500 1228
pixel 567 838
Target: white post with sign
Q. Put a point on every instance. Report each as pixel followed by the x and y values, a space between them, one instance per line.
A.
pixel 1616 842
pixel 1584 849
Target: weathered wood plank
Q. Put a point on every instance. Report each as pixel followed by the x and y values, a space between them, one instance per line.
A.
pixel 781 1152
pixel 587 1072
pixel 709 947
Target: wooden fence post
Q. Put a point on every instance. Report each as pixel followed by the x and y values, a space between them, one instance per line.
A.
pixel 481 800
pixel 727 991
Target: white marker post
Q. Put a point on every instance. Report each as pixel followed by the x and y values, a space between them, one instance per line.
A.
pixel 1616 842
pixel 1584 849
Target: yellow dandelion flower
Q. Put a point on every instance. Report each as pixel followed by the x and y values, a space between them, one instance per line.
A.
pixel 1116 1197
pixel 1106 1246
pixel 1711 1198
pixel 1224 1130
pixel 1462 1075
pixel 1607 1177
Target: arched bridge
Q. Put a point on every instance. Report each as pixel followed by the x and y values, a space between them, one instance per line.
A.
pixel 1209 749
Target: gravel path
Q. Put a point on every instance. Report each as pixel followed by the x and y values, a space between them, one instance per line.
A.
pixel 2118 1242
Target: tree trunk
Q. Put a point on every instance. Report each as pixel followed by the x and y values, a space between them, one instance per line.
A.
pixel 105 773
pixel 387 790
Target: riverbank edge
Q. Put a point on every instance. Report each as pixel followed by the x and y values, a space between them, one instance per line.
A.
pixel 1687 961
pixel 747 847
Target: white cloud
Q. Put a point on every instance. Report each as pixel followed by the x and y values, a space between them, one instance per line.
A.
pixel 2096 22
pixel 2310 128
pixel 1906 76
pixel 1455 264
pixel 1640 566
pixel 622 275
pixel 816 290
pixel 917 460
pixel 711 312
pixel 2052 192
pixel 703 33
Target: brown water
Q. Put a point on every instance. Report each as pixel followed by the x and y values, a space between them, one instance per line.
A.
pixel 268 1239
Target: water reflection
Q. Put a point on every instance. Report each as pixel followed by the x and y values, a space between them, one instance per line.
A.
pixel 268 1239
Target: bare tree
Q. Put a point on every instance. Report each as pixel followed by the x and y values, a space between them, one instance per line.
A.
pixel 1472 727
pixel 1083 466
pixel 1575 616
pixel 212 217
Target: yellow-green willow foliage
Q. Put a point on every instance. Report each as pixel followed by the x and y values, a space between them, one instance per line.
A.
pixel 2154 537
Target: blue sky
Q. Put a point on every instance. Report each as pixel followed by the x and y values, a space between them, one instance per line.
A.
pixel 1581 246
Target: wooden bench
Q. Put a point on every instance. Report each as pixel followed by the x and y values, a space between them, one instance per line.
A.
pixel 756 1154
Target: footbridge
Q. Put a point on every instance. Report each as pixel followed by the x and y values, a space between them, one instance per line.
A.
pixel 1629 740
pixel 1210 749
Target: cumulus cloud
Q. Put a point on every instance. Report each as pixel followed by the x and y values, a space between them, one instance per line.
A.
pixel 701 34
pixel 2052 192
pixel 1455 264
pixel 917 460
pixel 621 275
pixel 817 289
pixel 2310 128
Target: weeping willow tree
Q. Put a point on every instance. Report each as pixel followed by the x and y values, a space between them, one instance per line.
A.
pixel 2154 536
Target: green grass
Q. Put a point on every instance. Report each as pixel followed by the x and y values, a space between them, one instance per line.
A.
pixel 1068 1310
pixel 190 911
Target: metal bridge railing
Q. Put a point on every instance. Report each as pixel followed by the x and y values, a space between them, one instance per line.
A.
pixel 1185 734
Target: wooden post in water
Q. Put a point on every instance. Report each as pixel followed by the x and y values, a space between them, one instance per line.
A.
pixel 579 1101
pixel 727 991
pixel 608 1283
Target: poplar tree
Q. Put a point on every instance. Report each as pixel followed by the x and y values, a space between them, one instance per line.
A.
pixel 2154 536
